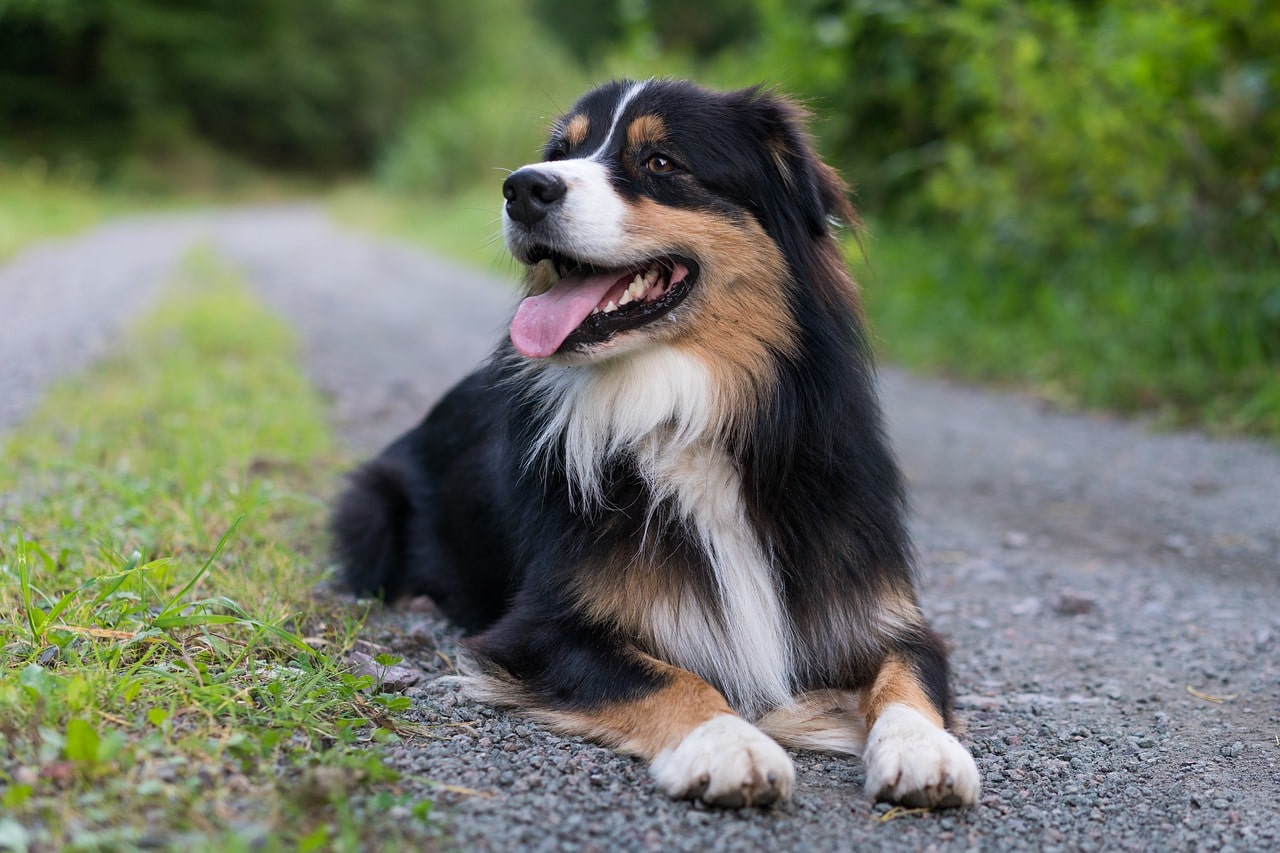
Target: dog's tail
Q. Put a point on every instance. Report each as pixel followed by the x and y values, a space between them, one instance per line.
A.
pixel 370 526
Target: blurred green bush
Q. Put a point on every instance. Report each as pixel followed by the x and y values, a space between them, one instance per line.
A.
pixel 304 85
pixel 1048 126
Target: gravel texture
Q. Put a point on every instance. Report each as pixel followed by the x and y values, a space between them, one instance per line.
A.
pixel 1088 573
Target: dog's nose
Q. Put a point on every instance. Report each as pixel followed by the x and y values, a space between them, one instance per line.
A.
pixel 531 193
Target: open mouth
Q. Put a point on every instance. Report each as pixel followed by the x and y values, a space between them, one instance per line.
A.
pixel 591 304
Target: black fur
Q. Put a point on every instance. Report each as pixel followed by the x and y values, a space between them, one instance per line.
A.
pixel 453 510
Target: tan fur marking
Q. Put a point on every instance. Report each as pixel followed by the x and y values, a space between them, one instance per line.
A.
pixel 898 608
pixel 649 725
pixel 646 129
pixel 576 130
pixel 897 684
pixel 620 597
pixel 741 320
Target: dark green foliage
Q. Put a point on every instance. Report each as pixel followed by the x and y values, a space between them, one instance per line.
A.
pixel 300 84
pixel 1199 344
pixel 1045 127
pixel 592 29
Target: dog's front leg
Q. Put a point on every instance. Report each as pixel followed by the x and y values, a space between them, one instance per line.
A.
pixel 696 746
pixel 910 757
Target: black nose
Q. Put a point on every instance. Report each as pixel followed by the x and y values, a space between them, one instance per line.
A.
pixel 531 193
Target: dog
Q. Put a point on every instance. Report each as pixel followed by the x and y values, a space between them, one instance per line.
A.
pixel 665 510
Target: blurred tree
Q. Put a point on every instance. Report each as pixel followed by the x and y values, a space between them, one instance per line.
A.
pixel 1043 125
pixel 592 29
pixel 314 84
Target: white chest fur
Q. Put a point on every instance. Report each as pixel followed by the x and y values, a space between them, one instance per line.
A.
pixel 661 406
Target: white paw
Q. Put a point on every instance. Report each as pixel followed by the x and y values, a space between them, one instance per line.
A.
pixel 911 761
pixel 726 761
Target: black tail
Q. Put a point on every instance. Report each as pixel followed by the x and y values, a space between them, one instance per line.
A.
pixel 370 530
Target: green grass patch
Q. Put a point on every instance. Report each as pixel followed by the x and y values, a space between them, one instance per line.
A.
pixel 1195 345
pixel 167 675
pixel 35 205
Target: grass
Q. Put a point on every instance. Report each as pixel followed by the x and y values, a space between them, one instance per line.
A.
pixel 1197 345
pixel 35 205
pixel 167 674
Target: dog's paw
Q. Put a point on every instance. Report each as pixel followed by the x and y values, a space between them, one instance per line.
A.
pixel 726 761
pixel 911 761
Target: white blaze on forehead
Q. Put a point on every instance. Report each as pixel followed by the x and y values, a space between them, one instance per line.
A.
pixel 627 96
pixel 589 223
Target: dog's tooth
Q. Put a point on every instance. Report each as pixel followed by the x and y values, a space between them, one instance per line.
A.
pixel 636 289
pixel 611 307
pixel 595 310
pixel 625 298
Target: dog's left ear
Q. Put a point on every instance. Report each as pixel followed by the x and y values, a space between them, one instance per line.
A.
pixel 814 186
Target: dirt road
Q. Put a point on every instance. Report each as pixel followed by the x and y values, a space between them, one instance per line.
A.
pixel 1112 596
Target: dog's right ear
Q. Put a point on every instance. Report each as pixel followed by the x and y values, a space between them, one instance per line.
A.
pixel 814 187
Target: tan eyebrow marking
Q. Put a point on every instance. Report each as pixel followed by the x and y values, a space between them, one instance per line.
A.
pixel 647 128
pixel 576 130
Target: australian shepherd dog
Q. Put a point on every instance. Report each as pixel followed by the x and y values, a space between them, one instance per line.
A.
pixel 665 510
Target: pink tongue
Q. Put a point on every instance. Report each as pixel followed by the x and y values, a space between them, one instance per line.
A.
pixel 543 322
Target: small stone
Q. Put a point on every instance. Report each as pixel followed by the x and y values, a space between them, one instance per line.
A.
pixel 387 679
pixel 423 604
pixel 1069 604
pixel 1016 539
pixel 1179 543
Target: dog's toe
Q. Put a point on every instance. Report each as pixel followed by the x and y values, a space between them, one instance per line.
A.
pixel 726 762
pixel 913 762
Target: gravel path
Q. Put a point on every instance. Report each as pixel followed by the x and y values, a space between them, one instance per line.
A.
pixel 1088 573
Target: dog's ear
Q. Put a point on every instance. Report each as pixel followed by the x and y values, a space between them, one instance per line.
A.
pixel 814 187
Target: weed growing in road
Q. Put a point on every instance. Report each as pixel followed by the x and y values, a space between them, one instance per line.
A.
pixel 167 675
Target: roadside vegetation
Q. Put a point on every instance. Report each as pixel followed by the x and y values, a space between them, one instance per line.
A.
pixel 171 675
pixel 1186 346
pixel 36 206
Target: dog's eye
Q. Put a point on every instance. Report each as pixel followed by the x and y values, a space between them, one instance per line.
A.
pixel 660 164
pixel 556 153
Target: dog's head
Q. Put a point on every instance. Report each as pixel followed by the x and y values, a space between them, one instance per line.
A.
pixel 659 207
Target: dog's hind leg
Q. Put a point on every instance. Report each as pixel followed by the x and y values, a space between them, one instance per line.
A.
pixel 910 757
pixel 821 720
